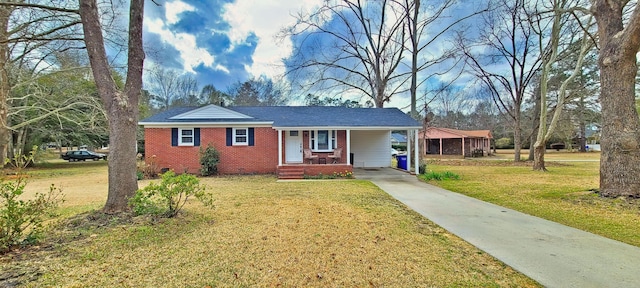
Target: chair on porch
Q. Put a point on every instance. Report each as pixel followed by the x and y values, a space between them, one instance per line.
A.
pixel 336 155
pixel 309 156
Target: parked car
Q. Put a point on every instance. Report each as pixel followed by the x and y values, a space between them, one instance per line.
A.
pixel 82 155
pixel 395 152
pixel 557 146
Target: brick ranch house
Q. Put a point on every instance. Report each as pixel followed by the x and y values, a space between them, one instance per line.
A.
pixel 291 141
pixel 465 143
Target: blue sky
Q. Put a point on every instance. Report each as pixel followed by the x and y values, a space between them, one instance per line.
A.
pixel 220 41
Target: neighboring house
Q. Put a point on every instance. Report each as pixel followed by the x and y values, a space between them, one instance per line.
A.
pixel 274 139
pixel 465 143
pixel 398 139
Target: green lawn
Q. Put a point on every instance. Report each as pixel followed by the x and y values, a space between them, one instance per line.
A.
pixel 262 233
pixel 564 194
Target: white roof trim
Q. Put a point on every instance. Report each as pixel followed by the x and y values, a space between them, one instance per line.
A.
pixel 210 112
pixel 204 124
pixel 349 128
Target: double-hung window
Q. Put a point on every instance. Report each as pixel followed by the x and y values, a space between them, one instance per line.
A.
pixel 240 136
pixel 322 140
pixel 185 137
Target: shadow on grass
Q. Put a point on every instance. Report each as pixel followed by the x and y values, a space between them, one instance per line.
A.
pixel 65 164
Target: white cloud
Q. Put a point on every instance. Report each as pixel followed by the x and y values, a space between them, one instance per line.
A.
pixel 174 8
pixel 190 54
pixel 222 68
pixel 265 18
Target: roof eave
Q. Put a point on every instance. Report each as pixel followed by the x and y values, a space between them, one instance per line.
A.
pixel 205 124
pixel 347 127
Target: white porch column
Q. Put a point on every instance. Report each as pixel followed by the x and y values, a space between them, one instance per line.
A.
pixel 348 147
pixel 416 161
pixel 462 147
pixel 440 146
pixel 279 147
pixel 409 134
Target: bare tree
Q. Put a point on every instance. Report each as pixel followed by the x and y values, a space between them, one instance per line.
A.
pixel 257 92
pixel 505 59
pixel 355 47
pixel 164 86
pixel 212 95
pixel 121 106
pixel 422 22
pixel 59 105
pixel 561 25
pixel 619 42
pixel 187 92
pixel 30 32
pixel 451 107
pixel 171 88
pixel 312 100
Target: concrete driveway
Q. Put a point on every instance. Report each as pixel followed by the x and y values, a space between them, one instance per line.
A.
pixel 555 255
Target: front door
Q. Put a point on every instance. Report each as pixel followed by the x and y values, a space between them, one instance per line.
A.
pixel 293 147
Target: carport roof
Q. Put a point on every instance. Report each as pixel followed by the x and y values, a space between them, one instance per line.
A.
pixel 287 116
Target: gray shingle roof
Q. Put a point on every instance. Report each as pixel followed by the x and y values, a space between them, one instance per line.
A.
pixel 302 116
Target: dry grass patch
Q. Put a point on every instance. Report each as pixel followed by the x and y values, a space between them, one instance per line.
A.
pixel 550 155
pixel 267 233
pixel 565 195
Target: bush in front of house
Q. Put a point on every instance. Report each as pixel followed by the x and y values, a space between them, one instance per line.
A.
pixel 148 169
pixel 169 196
pixel 209 159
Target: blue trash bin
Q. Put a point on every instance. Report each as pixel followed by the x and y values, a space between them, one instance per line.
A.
pixel 402 161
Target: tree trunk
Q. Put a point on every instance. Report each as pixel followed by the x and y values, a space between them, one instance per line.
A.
pixel 582 124
pixel 517 138
pixel 5 86
pixel 538 161
pixel 536 124
pixel 121 107
pixel 620 143
pixel 413 33
pixel 583 136
pixel 123 181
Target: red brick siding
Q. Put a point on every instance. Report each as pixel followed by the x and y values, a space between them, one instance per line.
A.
pixel 261 158
pixel 316 169
pixel 341 138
